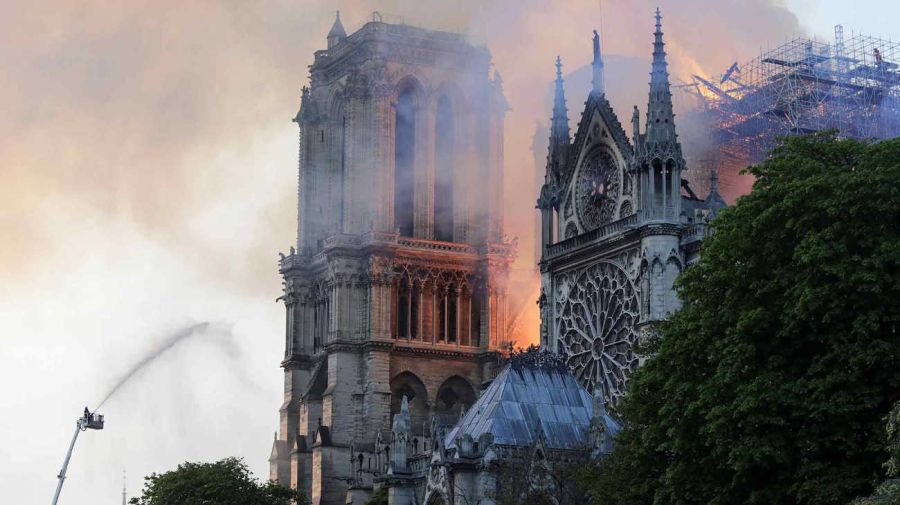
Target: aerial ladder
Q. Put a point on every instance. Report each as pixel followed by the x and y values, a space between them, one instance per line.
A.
pixel 89 421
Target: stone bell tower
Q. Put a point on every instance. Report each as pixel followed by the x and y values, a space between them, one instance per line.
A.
pixel 397 285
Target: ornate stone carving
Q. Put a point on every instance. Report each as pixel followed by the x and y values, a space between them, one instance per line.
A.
pixel 597 308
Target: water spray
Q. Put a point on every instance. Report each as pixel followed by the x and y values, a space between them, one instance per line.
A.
pixel 89 421
pixel 93 421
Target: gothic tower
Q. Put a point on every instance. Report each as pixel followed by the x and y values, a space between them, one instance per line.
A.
pixel 657 164
pixel 397 286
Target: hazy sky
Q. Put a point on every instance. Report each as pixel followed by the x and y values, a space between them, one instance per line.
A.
pixel 148 164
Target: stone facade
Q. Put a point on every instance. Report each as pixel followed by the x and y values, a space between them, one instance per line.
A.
pixel 618 224
pixel 397 286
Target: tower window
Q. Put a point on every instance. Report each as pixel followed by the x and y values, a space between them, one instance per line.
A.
pixel 404 162
pixel 407 313
pixel 443 168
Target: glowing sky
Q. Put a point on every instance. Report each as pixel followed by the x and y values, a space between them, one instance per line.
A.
pixel 148 168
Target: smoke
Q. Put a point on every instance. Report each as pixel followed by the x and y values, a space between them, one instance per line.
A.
pixel 151 355
pixel 149 168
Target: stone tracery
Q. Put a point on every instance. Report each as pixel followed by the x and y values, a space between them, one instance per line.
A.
pixel 597 308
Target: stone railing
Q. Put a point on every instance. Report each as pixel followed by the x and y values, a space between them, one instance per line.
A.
pixel 341 240
pixel 292 260
pixel 592 236
pixel 386 238
pixel 503 248
pixel 695 232
pixel 435 245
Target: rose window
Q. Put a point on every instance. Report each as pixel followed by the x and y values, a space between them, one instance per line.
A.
pixel 596 313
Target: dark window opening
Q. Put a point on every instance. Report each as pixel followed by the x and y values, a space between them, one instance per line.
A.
pixel 414 312
pixel 476 319
pixel 403 310
pixel 404 161
pixel 443 170
pixel 343 165
pixel 442 318
pixel 451 317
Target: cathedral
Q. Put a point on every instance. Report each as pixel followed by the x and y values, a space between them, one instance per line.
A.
pixel 396 294
pixel 618 224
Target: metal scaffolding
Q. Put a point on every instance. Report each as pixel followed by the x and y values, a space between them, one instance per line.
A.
pixel 851 85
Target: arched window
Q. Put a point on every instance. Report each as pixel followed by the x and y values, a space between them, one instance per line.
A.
pixel 407 315
pixel 342 153
pixel 452 315
pixel 447 309
pixel 475 318
pixel 404 160
pixel 443 169
pixel 403 315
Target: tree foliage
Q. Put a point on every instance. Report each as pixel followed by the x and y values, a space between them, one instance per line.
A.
pixel 771 384
pixel 888 492
pixel 225 482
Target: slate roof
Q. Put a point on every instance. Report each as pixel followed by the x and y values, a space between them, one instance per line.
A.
pixel 523 398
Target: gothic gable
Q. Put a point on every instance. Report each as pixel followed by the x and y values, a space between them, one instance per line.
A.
pixel 597 187
pixel 600 105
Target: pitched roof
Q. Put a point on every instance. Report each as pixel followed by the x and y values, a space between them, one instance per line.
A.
pixel 524 398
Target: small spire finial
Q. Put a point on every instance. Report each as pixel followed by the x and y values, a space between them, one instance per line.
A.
pixel 559 125
pixel 658 19
pixel 337 31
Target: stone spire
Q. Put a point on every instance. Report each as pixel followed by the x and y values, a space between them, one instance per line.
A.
pixel 660 116
pixel 559 123
pixel 401 434
pixel 714 200
pixel 597 65
pixel 337 31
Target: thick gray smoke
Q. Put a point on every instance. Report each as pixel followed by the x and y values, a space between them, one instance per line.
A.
pixel 152 354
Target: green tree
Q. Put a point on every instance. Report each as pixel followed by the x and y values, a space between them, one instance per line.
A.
pixel 225 482
pixel 770 385
pixel 888 492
